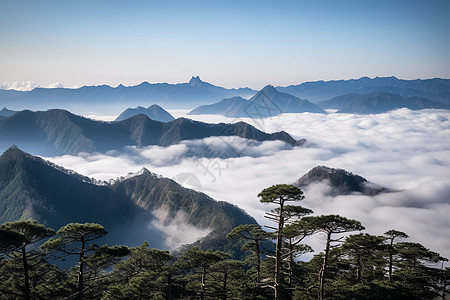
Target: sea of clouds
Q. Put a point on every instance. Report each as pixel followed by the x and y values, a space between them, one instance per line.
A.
pixel 403 150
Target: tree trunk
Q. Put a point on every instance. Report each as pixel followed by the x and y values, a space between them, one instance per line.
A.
pixel 322 273
pixel 391 260
pixel 202 288
pixel 358 268
pixel 225 286
pixel 80 290
pixel 291 270
pixel 444 287
pixel 278 253
pixel 169 287
pixel 258 264
pixel 27 295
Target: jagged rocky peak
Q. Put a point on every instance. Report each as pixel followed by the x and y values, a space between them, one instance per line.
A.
pixel 341 182
pixel 195 81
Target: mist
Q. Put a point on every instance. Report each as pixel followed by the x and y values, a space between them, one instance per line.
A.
pixel 407 151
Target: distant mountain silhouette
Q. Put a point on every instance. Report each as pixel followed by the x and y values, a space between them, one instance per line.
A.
pixel 341 182
pixel 266 103
pixel 376 103
pixel 230 107
pixel 57 132
pixel 6 112
pixel 154 112
pixel 106 99
pixel 437 90
pixel 31 187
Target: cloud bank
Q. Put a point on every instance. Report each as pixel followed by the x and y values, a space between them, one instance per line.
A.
pixel 26 85
pixel 403 150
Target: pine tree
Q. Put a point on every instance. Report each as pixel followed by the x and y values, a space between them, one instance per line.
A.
pixel 280 195
pixel 330 225
pixel 32 232
pixel 73 240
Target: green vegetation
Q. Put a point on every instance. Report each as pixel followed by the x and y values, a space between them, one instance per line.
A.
pixel 352 266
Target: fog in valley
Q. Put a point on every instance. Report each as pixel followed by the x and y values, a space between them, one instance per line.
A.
pixel 406 151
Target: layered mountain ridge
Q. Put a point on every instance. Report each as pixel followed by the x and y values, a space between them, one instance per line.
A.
pixel 32 188
pixel 268 102
pixel 436 89
pixel 57 132
pixel 109 99
pixel 154 112
pixel 375 103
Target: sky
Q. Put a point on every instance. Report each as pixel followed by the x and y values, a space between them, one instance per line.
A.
pixel 407 151
pixel 228 43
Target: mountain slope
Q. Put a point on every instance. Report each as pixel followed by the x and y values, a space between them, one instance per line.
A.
pixel 169 201
pixel 109 100
pixel 230 107
pixel 139 208
pixel 33 188
pixel 437 89
pixel 56 132
pixel 341 182
pixel 376 103
pixel 6 112
pixel 267 102
pixel 154 112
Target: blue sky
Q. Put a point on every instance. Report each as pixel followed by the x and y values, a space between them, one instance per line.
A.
pixel 228 43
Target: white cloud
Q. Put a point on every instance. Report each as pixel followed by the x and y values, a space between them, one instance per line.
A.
pixel 19 86
pixel 26 85
pixel 175 228
pixel 403 150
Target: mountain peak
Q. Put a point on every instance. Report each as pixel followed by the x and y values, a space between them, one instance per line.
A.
pixel 6 112
pixel 195 81
pixel 14 153
pixel 341 181
pixel 270 88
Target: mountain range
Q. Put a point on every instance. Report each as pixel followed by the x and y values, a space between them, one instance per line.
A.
pixel 436 89
pixel 375 103
pixel 154 112
pixel 341 182
pixel 105 99
pixel 268 102
pixel 57 132
pixel 144 207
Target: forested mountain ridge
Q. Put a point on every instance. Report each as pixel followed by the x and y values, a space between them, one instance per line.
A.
pixel 30 187
pixel 341 182
pixel 56 132
pixel 352 265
